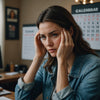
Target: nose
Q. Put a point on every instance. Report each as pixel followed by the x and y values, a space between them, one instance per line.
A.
pixel 49 41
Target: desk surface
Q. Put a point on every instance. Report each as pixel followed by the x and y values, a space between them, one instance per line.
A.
pixel 9 78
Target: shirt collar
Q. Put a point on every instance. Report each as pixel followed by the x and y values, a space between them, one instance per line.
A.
pixel 77 67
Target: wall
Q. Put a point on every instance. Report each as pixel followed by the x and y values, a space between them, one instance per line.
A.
pixel 31 9
pixel 12 47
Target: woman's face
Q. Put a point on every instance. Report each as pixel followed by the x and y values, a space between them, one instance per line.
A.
pixel 12 14
pixel 50 34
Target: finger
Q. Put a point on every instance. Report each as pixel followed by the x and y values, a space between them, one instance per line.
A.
pixel 37 40
pixel 66 36
pixel 37 36
pixel 70 38
pixel 62 37
pixel 71 43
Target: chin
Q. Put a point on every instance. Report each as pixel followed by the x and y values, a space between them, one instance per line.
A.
pixel 53 55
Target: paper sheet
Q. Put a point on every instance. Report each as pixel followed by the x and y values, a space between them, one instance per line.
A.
pixel 4 92
pixel 4 98
pixel 12 73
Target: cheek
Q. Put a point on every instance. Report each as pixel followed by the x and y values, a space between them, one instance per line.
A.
pixel 43 43
pixel 57 42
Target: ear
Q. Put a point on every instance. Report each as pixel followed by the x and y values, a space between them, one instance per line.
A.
pixel 71 31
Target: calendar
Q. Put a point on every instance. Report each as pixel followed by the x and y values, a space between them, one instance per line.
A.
pixel 28 48
pixel 88 18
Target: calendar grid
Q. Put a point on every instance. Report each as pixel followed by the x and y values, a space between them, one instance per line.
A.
pixel 89 23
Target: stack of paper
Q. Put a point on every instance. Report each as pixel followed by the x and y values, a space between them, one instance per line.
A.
pixel 12 73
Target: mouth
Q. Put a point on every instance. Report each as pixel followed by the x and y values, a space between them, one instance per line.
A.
pixel 51 50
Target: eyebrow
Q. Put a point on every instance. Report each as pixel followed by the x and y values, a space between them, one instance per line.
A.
pixel 51 32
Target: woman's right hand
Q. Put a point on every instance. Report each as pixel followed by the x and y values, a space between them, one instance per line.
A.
pixel 40 50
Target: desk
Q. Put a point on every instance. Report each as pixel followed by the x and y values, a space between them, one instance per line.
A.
pixel 9 78
pixel 9 82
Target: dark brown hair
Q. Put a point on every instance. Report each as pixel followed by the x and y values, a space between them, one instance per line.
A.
pixel 63 18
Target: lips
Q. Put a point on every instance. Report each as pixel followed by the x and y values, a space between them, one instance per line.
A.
pixel 52 50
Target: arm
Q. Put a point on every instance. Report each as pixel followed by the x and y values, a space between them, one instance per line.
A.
pixel 30 84
pixel 30 75
pixel 28 91
pixel 39 55
pixel 86 86
pixel 63 54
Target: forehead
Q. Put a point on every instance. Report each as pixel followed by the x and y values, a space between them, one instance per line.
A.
pixel 47 27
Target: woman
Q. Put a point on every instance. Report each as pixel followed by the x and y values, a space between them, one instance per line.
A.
pixel 71 71
pixel 12 14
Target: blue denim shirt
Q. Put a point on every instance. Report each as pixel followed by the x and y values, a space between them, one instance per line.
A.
pixel 84 82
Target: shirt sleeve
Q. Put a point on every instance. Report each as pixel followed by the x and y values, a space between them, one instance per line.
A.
pixel 89 82
pixel 26 87
pixel 31 90
pixel 62 94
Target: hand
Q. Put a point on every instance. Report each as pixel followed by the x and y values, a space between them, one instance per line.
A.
pixel 66 46
pixel 40 50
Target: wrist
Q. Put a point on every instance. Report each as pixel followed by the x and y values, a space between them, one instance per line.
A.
pixel 37 61
pixel 38 58
pixel 63 67
pixel 62 62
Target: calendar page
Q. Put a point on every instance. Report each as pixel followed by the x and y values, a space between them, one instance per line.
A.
pixel 88 18
pixel 28 48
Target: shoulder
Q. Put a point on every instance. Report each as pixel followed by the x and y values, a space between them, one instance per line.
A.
pixel 86 63
pixel 87 59
pixel 90 63
pixel 91 59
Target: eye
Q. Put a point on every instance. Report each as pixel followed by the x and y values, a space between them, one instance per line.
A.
pixel 54 34
pixel 42 37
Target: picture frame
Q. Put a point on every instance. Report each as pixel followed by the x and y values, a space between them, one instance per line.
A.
pixel 12 23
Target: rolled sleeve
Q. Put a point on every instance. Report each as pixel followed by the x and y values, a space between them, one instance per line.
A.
pixel 25 86
pixel 62 94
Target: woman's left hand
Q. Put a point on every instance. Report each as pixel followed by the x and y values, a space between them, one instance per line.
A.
pixel 66 46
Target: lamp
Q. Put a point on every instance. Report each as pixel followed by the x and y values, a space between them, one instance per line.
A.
pixel 85 1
